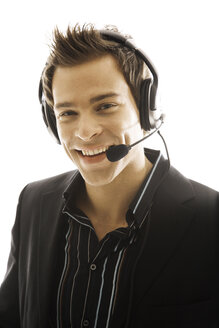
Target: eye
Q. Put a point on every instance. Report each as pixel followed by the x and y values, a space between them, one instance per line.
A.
pixel 105 106
pixel 66 114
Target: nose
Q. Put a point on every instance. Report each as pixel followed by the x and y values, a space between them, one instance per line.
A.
pixel 88 128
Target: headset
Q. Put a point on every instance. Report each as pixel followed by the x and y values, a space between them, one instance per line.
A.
pixel 150 117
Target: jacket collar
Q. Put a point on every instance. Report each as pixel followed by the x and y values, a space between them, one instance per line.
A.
pixel 144 197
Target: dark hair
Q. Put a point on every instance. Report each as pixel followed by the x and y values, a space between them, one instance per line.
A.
pixel 81 44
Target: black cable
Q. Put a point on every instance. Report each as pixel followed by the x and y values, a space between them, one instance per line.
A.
pixel 165 145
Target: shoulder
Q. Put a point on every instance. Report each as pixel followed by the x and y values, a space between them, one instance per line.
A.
pixel 180 184
pixel 192 194
pixel 206 201
pixel 202 191
pixel 56 183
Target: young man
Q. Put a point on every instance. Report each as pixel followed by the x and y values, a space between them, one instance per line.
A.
pixel 130 243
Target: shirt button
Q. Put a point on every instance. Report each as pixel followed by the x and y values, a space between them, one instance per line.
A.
pixel 93 267
pixel 85 323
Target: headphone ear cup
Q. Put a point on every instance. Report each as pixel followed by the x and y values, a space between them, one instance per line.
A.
pixel 144 105
pixel 48 115
pixel 50 120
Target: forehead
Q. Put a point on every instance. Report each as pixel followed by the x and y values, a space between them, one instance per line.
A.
pixel 99 74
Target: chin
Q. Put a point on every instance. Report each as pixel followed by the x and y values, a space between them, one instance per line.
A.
pixel 97 180
pixel 100 178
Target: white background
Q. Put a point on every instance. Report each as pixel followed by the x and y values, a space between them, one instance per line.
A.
pixel 180 36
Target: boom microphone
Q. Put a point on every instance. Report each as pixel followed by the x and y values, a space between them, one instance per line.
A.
pixel 115 153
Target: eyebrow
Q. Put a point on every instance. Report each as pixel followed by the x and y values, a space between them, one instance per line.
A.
pixel 103 96
pixel 64 104
pixel 68 104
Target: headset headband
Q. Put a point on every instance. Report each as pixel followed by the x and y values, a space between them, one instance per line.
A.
pixel 114 36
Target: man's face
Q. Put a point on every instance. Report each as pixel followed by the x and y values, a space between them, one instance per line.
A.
pixel 95 109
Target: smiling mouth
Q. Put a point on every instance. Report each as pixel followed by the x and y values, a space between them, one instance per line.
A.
pixel 93 153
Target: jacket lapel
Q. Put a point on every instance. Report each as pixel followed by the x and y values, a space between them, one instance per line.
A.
pixel 53 229
pixel 171 217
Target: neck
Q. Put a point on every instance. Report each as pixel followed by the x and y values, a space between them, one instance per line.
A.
pixel 120 192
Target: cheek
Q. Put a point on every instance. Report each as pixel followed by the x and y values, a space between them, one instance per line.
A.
pixel 123 123
pixel 134 133
pixel 65 132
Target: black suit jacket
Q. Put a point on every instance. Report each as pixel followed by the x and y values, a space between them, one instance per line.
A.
pixel 176 280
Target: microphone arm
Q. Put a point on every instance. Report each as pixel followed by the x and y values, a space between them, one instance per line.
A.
pixel 115 153
pixel 150 134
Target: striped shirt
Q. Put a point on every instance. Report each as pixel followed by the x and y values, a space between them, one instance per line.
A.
pixel 97 275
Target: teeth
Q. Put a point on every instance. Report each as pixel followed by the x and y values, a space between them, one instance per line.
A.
pixel 94 152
